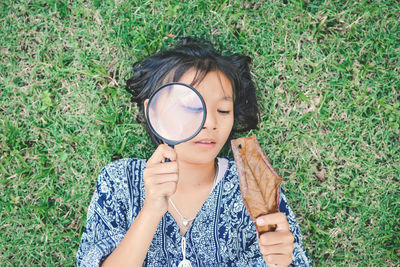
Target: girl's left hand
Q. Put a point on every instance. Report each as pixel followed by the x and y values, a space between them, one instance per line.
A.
pixel 276 247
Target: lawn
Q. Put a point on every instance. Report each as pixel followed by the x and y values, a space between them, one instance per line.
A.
pixel 328 84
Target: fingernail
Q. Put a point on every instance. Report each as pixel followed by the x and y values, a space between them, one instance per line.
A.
pixel 260 221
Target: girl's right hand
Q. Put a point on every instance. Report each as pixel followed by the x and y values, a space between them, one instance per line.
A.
pixel 160 179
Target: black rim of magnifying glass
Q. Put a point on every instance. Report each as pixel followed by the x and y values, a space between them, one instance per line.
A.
pixel 174 142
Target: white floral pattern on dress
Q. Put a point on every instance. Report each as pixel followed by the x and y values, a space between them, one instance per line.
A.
pixel 222 233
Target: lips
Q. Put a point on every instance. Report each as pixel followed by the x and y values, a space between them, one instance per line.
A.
pixel 206 142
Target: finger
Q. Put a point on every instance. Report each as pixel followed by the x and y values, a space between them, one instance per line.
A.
pixel 162 152
pixel 168 189
pixel 278 259
pixel 274 238
pixel 277 218
pixel 165 189
pixel 160 179
pixel 162 168
pixel 277 249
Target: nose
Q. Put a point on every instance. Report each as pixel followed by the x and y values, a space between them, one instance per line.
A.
pixel 211 121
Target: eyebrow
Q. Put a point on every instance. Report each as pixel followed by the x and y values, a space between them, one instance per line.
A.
pixel 227 98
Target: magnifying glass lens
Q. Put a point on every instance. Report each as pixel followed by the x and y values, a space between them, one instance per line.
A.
pixel 176 113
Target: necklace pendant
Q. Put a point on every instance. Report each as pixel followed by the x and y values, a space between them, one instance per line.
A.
pixel 185 222
pixel 185 263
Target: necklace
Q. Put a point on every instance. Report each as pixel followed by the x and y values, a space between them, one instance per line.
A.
pixel 186 221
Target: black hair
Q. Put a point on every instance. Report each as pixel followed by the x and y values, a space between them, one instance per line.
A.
pixel 156 70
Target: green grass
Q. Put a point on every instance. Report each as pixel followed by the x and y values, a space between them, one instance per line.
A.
pixel 327 74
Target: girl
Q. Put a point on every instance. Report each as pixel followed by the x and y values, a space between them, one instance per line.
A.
pixel 188 211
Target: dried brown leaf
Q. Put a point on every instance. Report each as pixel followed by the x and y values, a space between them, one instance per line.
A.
pixel 259 183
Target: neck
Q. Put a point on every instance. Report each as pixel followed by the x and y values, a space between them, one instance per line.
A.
pixel 192 176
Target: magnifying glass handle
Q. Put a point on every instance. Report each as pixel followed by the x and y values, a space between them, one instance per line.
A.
pixel 167 159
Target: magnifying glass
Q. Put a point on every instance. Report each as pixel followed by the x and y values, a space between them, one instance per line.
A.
pixel 176 113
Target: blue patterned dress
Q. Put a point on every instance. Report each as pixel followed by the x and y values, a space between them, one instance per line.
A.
pixel 222 233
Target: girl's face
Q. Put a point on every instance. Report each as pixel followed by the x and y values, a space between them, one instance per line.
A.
pixel 217 93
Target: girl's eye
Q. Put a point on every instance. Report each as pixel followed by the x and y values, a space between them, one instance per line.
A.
pixel 223 111
pixel 191 109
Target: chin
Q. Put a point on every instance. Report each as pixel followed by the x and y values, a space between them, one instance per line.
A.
pixel 198 158
pixel 192 153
